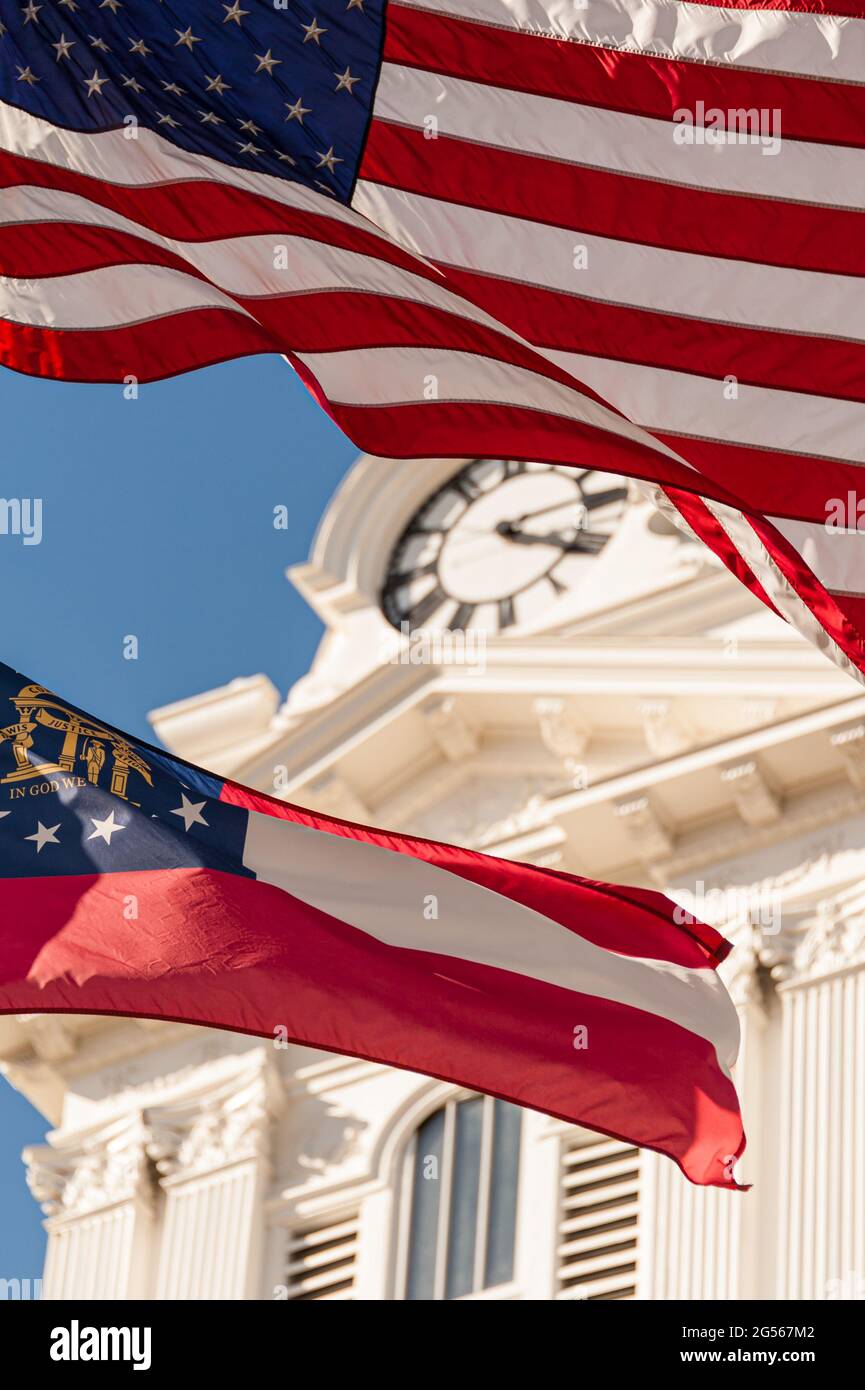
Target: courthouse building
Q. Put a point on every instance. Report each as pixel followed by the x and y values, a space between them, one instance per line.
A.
pixel 532 663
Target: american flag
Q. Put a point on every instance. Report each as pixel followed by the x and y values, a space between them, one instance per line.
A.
pixel 624 234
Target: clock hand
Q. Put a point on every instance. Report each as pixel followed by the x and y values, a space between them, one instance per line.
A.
pixel 585 542
pixel 589 503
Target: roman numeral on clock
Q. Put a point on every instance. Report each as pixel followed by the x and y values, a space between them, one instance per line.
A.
pixel 396 581
pixel 507 615
pixel 427 606
pixel 462 617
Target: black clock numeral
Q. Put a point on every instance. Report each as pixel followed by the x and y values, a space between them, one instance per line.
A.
pixel 421 531
pixel 593 500
pixel 427 606
pixel 507 615
pixel 467 488
pixel 462 617
pixel 513 467
pixel 557 584
pixel 396 581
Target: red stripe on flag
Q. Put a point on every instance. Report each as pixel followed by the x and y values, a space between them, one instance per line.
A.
pixel 246 956
pixel 625 207
pixel 642 84
pixel 708 528
pixel 461 429
pixel 775 482
pixel 798 362
pixel 838 616
pixel 149 351
pixel 829 609
pixel 296 322
pixel 204 210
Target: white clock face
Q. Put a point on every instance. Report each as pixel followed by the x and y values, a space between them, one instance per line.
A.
pixel 498 544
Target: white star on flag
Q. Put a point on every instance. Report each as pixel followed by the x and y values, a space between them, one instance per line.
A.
pixel 45 835
pixel 267 61
pixel 345 81
pixel 313 31
pixel 191 812
pixel 105 828
pixel 95 83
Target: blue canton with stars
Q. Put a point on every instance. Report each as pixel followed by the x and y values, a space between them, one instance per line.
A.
pixel 282 87
pixel 79 797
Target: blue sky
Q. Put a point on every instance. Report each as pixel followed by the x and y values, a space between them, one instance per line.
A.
pixel 157 521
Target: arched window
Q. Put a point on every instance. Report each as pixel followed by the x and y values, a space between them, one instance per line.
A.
pixel 460 1200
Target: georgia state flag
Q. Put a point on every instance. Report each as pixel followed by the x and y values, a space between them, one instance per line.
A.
pixel 133 883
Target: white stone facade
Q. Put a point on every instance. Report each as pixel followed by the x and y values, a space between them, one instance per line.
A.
pixel 652 724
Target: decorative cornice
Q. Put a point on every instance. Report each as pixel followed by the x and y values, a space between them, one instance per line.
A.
pixel 849 743
pixel 562 733
pixel 755 800
pixel 455 737
pixel 650 837
pixel 371 706
pixel 664 731
pixel 333 795
pixel 815 943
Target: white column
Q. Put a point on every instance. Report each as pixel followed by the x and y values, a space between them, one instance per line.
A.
pixel 96 1189
pixel 213 1157
pixel 698 1242
pixel 821 1230
pixel 539 1198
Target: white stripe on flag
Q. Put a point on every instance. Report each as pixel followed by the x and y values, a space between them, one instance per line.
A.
pixel 383 893
pixel 109 298
pixel 782 594
pixel 246 265
pixel 760 416
pixel 149 161
pixel 396 376
pixel 834 554
pixel 770 40
pixel 713 288
pixel 589 135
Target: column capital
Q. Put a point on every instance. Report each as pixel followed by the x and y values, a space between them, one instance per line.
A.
pixel 76 1175
pixel 228 1122
pixel 833 939
pixel 740 973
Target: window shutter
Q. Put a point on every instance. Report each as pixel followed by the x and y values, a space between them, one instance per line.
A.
pixel 599 1219
pixel 321 1261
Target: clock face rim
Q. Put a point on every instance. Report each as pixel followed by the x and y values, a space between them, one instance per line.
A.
pixel 396 574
